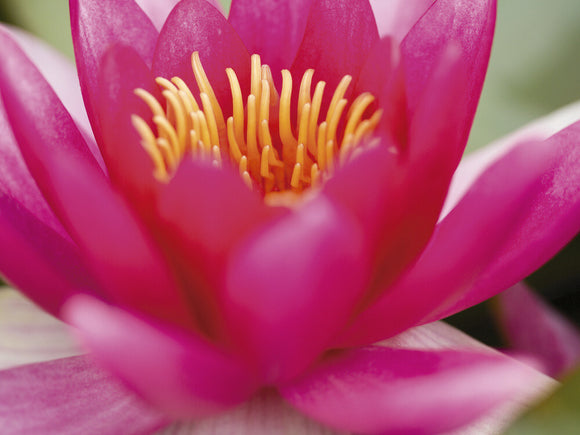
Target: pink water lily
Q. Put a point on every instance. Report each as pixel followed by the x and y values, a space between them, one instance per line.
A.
pixel 217 238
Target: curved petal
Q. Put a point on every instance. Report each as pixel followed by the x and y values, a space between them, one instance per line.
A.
pixel 272 29
pixel 534 328
pixel 468 25
pixel 338 37
pixel 475 163
pixel 130 168
pixel 396 17
pixel 28 334
pixel 159 10
pixel 387 390
pixel 98 24
pixel 180 374
pixel 551 219
pixel 461 246
pixel 68 396
pixel 58 71
pixel 199 243
pixel 265 414
pixel 39 121
pixel 291 285
pixel 131 269
pixel 195 25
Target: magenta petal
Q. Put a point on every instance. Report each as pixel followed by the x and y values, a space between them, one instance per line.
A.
pixel 200 243
pixel 396 17
pixel 180 374
pixel 536 329
pixel 550 219
pixel 98 24
pixel 129 266
pixel 402 391
pixel 468 25
pixel 195 25
pixel 293 284
pixel 461 247
pixel 272 29
pixel 39 121
pixel 158 10
pixel 70 396
pixel 338 37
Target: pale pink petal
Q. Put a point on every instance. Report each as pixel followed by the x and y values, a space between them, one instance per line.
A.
pixel 71 396
pixel 396 17
pixel 180 373
pixel 292 284
pixel 534 328
pixel 265 414
pixel 403 389
pixel 474 164
pixel 28 334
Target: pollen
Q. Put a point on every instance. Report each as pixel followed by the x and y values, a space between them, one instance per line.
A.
pixel 276 151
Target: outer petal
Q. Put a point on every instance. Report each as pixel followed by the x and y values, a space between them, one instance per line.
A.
pixel 98 24
pixel 535 328
pixel 551 219
pixel 199 243
pixel 158 10
pixel 396 17
pixel 70 396
pixel 58 71
pixel 291 285
pixel 408 391
pixel 469 25
pixel 28 334
pixel 338 37
pixel 181 374
pixel 271 28
pixel 195 25
pixel 129 266
pixel 461 246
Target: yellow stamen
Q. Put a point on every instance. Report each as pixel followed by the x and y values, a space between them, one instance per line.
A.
pixel 273 156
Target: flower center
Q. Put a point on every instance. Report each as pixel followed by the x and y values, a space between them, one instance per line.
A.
pixel 290 160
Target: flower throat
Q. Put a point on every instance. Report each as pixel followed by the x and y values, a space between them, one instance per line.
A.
pixel 271 162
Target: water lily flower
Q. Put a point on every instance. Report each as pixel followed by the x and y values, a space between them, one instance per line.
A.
pixel 243 207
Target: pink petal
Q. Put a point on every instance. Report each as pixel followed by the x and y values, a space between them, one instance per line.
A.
pixel 265 414
pixel 195 25
pixel 468 25
pixel 550 219
pixel 130 168
pixel 179 373
pixel 272 29
pixel 291 285
pixel 400 390
pixel 200 243
pixel 158 10
pixel 28 334
pixel 58 71
pixel 396 17
pixel 338 38
pixel 475 163
pixel 98 24
pixel 70 396
pixel 461 246
pixel 534 328
pixel 37 117
pixel 129 266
